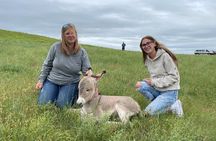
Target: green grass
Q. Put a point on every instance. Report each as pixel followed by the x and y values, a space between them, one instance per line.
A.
pixel 21 57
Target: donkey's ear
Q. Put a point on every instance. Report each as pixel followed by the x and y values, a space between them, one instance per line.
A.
pixel 89 72
pixel 99 76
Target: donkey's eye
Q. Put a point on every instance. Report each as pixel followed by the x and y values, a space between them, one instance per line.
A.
pixel 88 90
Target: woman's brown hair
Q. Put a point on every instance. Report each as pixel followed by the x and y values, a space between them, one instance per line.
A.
pixel 158 45
pixel 64 45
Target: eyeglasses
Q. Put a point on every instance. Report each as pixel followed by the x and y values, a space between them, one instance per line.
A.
pixel 147 44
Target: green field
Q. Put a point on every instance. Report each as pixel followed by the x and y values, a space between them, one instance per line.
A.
pixel 21 57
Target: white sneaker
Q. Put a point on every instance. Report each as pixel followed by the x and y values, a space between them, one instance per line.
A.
pixel 176 108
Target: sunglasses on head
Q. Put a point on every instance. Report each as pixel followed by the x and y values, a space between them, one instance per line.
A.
pixel 68 25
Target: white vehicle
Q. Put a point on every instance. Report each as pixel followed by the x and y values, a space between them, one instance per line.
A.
pixel 205 51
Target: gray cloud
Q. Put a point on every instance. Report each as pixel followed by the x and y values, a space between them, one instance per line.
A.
pixel 183 25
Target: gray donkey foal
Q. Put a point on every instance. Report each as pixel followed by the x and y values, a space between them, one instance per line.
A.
pixel 100 105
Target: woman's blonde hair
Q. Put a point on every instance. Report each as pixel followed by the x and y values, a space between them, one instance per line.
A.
pixel 158 46
pixel 64 45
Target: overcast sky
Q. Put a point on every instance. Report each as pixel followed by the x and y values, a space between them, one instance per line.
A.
pixel 182 25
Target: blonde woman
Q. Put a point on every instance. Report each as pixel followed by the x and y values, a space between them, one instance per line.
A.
pixel 60 73
pixel 162 87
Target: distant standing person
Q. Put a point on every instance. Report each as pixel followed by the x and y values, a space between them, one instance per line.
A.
pixel 60 73
pixel 162 87
pixel 123 46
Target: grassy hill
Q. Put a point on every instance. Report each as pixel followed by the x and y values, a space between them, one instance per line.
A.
pixel 21 57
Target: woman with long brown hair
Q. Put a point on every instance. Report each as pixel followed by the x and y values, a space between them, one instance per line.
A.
pixel 60 73
pixel 162 87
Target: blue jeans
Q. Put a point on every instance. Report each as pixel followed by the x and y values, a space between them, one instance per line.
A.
pixel 160 100
pixel 61 95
